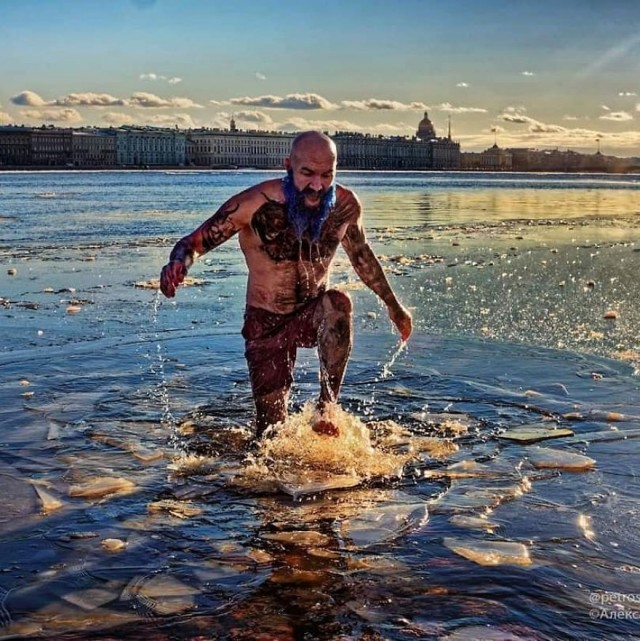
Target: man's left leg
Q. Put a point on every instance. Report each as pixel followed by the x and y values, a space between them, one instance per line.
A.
pixel 334 318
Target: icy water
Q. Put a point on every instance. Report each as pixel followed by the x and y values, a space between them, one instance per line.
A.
pixel 130 505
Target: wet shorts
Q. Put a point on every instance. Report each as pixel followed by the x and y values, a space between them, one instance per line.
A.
pixel 271 341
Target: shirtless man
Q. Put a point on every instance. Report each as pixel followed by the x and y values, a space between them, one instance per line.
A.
pixel 289 230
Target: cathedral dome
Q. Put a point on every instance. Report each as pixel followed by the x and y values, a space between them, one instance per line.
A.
pixel 426 130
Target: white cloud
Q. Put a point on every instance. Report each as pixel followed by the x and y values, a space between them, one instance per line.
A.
pixel 290 101
pixel 117 118
pixel 172 80
pixel 255 117
pixel 449 108
pixel 606 108
pixel 29 99
pixel 626 94
pixel 618 116
pixel 462 84
pixel 260 76
pixel 544 128
pixel 53 115
pixel 304 124
pixel 5 118
pixel 332 126
pixel 513 114
pixel 182 120
pixel 528 73
pixel 88 100
pixel 377 104
pixel 151 101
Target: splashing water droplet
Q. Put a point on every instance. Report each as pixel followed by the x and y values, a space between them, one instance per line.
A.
pixel 386 369
pixel 168 419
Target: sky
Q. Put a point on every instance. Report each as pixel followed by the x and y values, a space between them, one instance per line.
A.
pixel 561 74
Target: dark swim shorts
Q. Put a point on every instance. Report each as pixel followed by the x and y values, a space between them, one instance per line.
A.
pixel 271 341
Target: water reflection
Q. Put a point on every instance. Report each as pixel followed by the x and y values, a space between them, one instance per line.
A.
pixel 488 207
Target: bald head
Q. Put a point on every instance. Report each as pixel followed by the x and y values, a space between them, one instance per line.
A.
pixel 313 144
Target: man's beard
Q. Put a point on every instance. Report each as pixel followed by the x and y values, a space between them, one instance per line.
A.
pixel 303 218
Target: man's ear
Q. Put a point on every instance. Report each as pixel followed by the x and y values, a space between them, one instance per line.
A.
pixel 287 164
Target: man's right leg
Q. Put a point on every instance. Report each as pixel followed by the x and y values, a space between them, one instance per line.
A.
pixel 270 359
pixel 270 409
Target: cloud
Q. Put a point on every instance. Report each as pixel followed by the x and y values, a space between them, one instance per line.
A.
pixel 543 128
pixel 569 118
pixel 528 73
pixel 172 80
pixel 29 99
pixel 463 84
pixel 332 126
pixel 626 94
pixel 53 115
pixel 449 108
pixel 181 120
pixel 304 124
pixel 515 115
pixel 5 118
pixel 260 76
pixel 257 117
pixel 377 104
pixel 290 101
pixel 89 100
pixel 618 116
pixel 151 101
pixel 606 108
pixel 117 118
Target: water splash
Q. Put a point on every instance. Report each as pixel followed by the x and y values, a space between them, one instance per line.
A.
pixel 292 450
pixel 168 420
pixel 386 369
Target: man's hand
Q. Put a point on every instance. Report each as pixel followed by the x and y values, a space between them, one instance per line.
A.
pixel 172 275
pixel 401 318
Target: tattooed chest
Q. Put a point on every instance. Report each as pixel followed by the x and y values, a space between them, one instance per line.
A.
pixel 279 241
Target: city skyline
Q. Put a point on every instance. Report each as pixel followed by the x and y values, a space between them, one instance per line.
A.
pixel 541 75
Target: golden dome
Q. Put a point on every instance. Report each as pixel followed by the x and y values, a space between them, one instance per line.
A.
pixel 426 130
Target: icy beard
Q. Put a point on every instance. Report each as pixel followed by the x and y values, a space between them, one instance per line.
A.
pixel 300 216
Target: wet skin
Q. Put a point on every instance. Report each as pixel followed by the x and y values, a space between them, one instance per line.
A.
pixel 286 272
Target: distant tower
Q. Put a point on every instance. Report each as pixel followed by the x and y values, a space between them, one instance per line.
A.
pixel 426 130
pixel 449 129
pixel 232 124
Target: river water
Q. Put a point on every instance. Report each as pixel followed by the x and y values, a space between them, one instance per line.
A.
pixel 128 508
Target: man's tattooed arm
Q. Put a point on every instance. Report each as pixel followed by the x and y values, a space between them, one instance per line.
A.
pixel 213 232
pixel 366 264
pixel 368 268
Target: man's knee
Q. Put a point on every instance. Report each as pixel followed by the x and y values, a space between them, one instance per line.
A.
pixel 338 301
